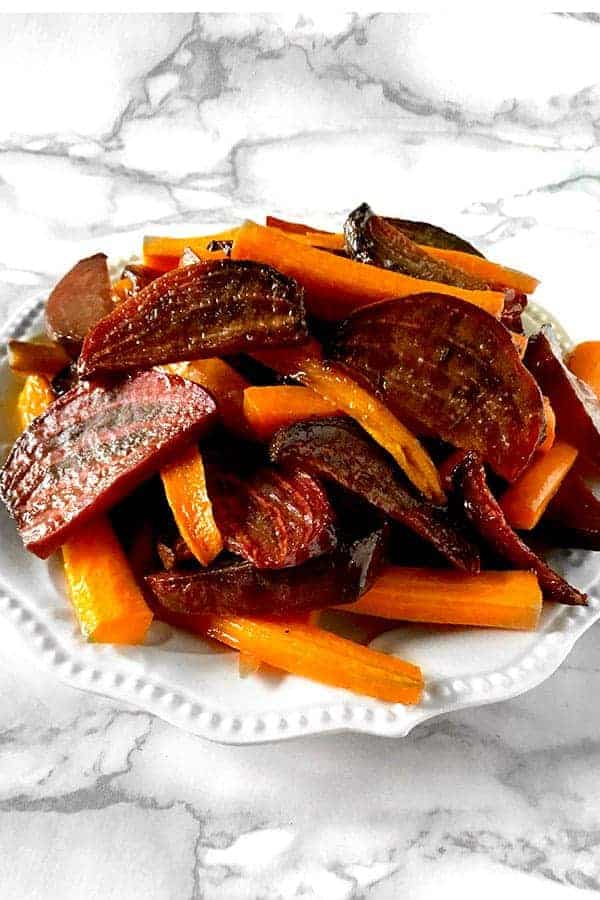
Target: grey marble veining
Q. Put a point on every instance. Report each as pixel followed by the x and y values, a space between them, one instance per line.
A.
pixel 487 126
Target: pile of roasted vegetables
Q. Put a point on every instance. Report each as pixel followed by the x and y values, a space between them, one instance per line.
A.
pixel 250 427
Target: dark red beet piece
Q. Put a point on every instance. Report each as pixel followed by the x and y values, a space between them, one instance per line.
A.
pixel 273 519
pixel 434 236
pixel 80 299
pixel 575 405
pixel 92 447
pixel 336 449
pixel 376 240
pixel 207 309
pixel 488 519
pixel 514 304
pixel 241 589
pixel 448 369
pixel 573 516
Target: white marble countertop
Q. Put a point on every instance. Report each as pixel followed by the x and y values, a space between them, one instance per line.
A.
pixel 489 127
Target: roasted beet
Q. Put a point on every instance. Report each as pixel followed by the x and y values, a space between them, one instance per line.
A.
pixel 338 450
pixel 488 519
pixel 79 301
pixel 573 516
pixel 433 236
pixel 208 309
pixel 140 276
pixel 93 446
pixel 575 405
pixel 240 588
pixel 374 239
pixel 450 370
pixel 273 519
pixel 514 305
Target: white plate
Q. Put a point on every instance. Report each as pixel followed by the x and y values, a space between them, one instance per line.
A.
pixel 186 682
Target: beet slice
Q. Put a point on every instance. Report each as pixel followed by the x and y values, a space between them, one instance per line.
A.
pixel 488 519
pixel 376 240
pixel 450 370
pixel 573 516
pixel 94 445
pixel 575 405
pixel 240 588
pixel 514 305
pixel 80 299
pixel 273 519
pixel 338 450
pixel 433 236
pixel 208 309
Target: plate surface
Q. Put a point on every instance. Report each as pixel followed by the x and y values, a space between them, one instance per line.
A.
pixel 197 687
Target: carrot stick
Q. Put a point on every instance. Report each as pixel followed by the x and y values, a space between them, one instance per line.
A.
pixel 320 239
pixel 296 227
pixel 184 482
pixel 485 269
pixel 336 286
pixel 525 500
pixel 121 289
pixel 584 361
pixel 491 599
pixel 330 382
pixel 311 652
pixel 550 417
pixel 173 247
pixel 108 603
pixel 268 408
pixel 30 358
pixel 226 386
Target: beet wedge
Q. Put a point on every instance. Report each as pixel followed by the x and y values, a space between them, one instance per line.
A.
pixel 79 301
pixel 339 451
pixel 92 447
pixel 573 517
pixel 575 405
pixel 433 236
pixel 449 370
pixel 272 519
pixel 239 587
pixel 376 240
pixel 487 517
pixel 208 309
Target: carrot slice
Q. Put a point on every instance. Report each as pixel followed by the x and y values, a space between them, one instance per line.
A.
pixel 225 384
pixel 268 408
pixel 525 501
pixel 331 382
pixel 107 601
pixel 550 418
pixel 489 271
pixel 491 599
pixel 309 651
pixel 184 482
pixel 336 286
pixel 584 361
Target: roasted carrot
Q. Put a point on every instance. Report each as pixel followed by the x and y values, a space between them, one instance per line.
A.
pixel 311 652
pixel 226 386
pixel 268 408
pixel 295 227
pixel 584 361
pixel 31 358
pixel 489 271
pixel 491 599
pixel 550 418
pixel 336 286
pixel 121 289
pixel 525 500
pixel 168 250
pixel 333 384
pixel 320 239
pixel 108 603
pixel 184 482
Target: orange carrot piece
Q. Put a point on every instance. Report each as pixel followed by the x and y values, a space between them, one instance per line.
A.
pixel 550 418
pixel 171 248
pixel 444 596
pixel 320 239
pixel 525 500
pixel 584 361
pixel 107 601
pixel 184 482
pixel 333 384
pixel 32 358
pixel 485 269
pixel 121 289
pixel 226 386
pixel 295 227
pixel 336 286
pixel 268 408
pixel 309 651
